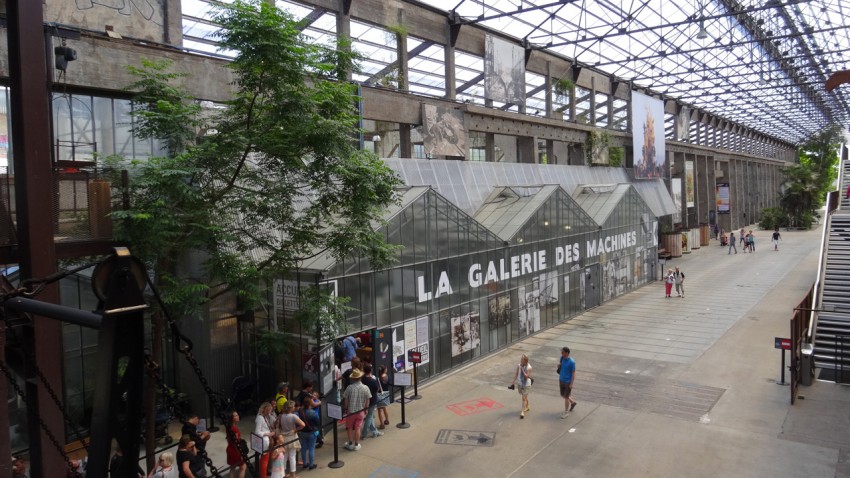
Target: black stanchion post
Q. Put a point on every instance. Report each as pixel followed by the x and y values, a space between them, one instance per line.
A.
pixel 403 423
pixel 336 463
pixel 783 367
pixel 416 395
pixel 415 358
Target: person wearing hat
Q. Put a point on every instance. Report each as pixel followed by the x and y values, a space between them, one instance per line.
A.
pixel 280 398
pixel 355 401
pixel 669 279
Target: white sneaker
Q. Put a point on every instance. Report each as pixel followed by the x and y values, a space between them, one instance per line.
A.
pixel 377 434
pixel 349 446
pixel 565 415
pixel 357 447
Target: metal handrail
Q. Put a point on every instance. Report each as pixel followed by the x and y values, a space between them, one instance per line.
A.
pixel 833 200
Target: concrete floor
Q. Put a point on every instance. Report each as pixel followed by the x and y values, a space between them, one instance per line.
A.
pixel 666 388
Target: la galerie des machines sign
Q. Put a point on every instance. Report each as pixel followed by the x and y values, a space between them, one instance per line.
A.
pixel 523 264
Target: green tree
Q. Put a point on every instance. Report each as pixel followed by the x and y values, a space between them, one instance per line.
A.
pixel 276 179
pixel 806 184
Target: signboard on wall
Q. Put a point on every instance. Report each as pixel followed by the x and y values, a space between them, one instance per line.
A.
pixel 393 344
pixel 722 198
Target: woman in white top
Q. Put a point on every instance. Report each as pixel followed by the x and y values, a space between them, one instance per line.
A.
pixel 264 427
pixel 164 467
pixel 522 382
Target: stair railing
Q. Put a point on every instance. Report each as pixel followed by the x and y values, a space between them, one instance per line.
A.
pixel 832 201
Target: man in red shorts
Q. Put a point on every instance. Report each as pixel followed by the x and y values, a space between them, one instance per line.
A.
pixel 355 401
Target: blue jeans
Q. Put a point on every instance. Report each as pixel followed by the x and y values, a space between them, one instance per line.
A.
pixel 369 423
pixel 308 447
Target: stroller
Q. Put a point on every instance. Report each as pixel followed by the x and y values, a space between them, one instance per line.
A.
pixel 163 418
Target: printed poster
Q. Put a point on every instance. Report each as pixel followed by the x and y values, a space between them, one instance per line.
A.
pixel 648 136
pixel 690 188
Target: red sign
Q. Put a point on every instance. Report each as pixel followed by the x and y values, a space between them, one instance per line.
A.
pixel 780 343
pixel 414 357
pixel 472 407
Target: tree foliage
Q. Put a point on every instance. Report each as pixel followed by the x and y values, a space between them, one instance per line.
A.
pixel 806 184
pixel 278 178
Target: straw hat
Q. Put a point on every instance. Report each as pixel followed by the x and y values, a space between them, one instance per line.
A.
pixel 356 374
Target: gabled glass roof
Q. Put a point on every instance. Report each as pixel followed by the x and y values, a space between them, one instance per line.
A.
pixel 758 63
pixel 600 200
pixel 507 210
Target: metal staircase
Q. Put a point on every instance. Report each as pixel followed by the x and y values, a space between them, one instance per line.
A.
pixel 832 336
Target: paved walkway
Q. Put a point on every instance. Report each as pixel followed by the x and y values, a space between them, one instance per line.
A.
pixel 665 388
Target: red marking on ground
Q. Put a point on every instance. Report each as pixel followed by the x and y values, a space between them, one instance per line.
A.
pixel 472 407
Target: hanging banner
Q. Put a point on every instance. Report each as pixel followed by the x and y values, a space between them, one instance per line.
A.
pixel 690 189
pixel 676 186
pixel 504 71
pixel 722 198
pixel 648 136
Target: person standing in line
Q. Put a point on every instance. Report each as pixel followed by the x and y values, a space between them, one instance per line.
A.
pixel 522 382
pixel 232 452
pixel 289 425
pixel 566 377
pixel 679 280
pixel 278 458
pixel 309 433
pixel 732 243
pixel 264 427
pixel 776 238
pixel 716 231
pixel 751 240
pixel 743 240
pixel 355 401
pixel 384 399
pixel 164 467
pixel 668 283
pixel 370 381
pixel 281 397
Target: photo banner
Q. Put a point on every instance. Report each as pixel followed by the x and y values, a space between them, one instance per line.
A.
pixel 504 71
pixel 648 136
pixel 690 189
pixel 683 124
pixel 722 198
pixel 442 131
pixel 676 186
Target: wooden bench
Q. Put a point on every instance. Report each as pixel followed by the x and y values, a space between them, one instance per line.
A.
pixel 664 254
pixel 76 449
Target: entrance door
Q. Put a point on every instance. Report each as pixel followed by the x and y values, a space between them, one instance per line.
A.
pixel 591 286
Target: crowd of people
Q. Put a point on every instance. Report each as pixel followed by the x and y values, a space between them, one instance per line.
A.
pixel 290 428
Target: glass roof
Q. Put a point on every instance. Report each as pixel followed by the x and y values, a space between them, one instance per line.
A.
pixel 758 63
pixel 762 64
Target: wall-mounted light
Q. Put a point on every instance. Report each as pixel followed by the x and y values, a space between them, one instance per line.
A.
pixel 64 54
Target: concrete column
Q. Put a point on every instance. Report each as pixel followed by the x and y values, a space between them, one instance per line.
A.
pixel 526 149
pixel 402 55
pixel 173 30
pixel 449 61
pixel 490 147
pixel 551 157
pixel 343 25
pixel 591 118
pixel 548 86
pixel 405 146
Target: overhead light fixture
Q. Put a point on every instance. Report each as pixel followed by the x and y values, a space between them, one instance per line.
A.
pixel 702 34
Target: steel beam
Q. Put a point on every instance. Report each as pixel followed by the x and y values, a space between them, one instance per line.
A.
pixel 30 121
